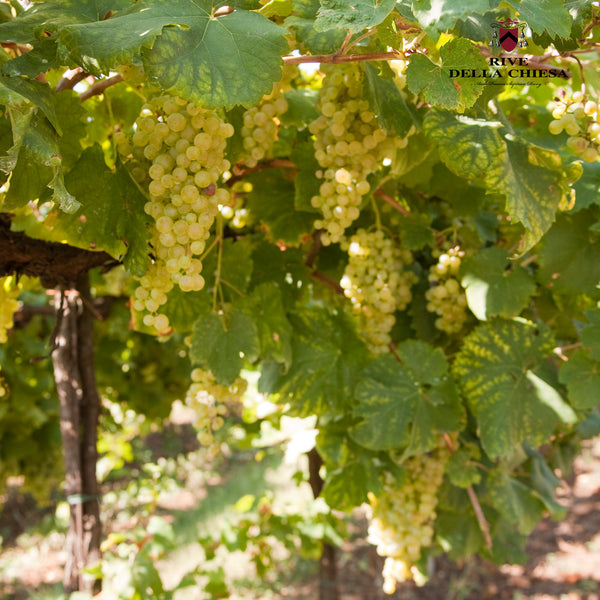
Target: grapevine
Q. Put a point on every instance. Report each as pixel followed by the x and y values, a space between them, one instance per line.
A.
pixel 183 147
pixel 377 283
pixel 401 519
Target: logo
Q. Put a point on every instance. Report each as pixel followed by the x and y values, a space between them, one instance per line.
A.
pixel 507 33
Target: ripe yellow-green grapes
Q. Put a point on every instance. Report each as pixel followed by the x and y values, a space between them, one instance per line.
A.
pixel 577 115
pixel 349 146
pixel 182 148
pixel 261 122
pixel 211 403
pixel 446 298
pixel 9 291
pixel 401 518
pixel 377 283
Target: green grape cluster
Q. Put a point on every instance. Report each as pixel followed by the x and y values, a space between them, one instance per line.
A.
pixel 349 146
pixel 401 518
pixel 183 149
pixel 377 283
pixel 9 291
pixel 446 297
pixel 211 403
pixel 577 115
pixel 261 123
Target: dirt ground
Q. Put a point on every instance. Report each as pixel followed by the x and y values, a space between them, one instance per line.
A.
pixel 564 559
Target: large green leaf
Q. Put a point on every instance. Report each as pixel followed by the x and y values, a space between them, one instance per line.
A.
pixel 498 367
pixel 541 16
pixel 517 502
pixel 48 17
pixel 272 202
pixel 468 147
pixel 407 404
pixel 581 375
pixel 590 334
pixel 438 16
pixel 111 216
pixel 265 306
pixel 492 288
pixel 347 487
pixel 354 17
pixel 327 358
pixel 216 61
pixel 302 23
pixel 570 255
pixel 222 342
pixel 393 112
pixel 439 85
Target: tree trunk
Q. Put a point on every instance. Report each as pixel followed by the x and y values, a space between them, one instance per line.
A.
pixel 73 356
pixel 328 589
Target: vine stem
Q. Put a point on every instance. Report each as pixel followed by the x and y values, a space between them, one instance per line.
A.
pixel 100 86
pixel 387 198
pixel 343 58
pixel 219 238
pixel 484 526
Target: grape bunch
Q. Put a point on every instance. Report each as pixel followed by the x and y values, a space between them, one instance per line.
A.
pixel 349 146
pixel 212 402
pixel 577 115
pixel 178 151
pixel 401 518
pixel 445 297
pixel 261 123
pixel 9 291
pixel 377 283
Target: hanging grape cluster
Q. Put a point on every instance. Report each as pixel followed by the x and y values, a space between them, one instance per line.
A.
pixel 183 149
pixel 211 403
pixel 349 146
pixel 401 518
pixel 9 291
pixel 577 115
pixel 377 283
pixel 446 297
pixel 261 122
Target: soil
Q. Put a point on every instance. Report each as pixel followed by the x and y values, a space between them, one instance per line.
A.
pixel 564 561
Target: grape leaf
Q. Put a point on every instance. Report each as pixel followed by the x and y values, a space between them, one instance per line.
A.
pixel 590 333
pixel 516 501
pixel 15 90
pixel 48 17
pixel 570 256
pixel 355 17
pixel 416 231
pixel 111 216
pixel 545 482
pixel 39 145
pixel 545 15
pixel 468 147
pixel 408 404
pixel 491 288
pixel 581 375
pixel 498 367
pixel 393 112
pixel 265 306
pixel 218 342
pixel 438 16
pixel 41 58
pixel 327 357
pixel 182 308
pixel 272 201
pixel 235 266
pixel 586 187
pixel 435 82
pixel 460 468
pixel 347 487
pixel 218 62
pixel 302 22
